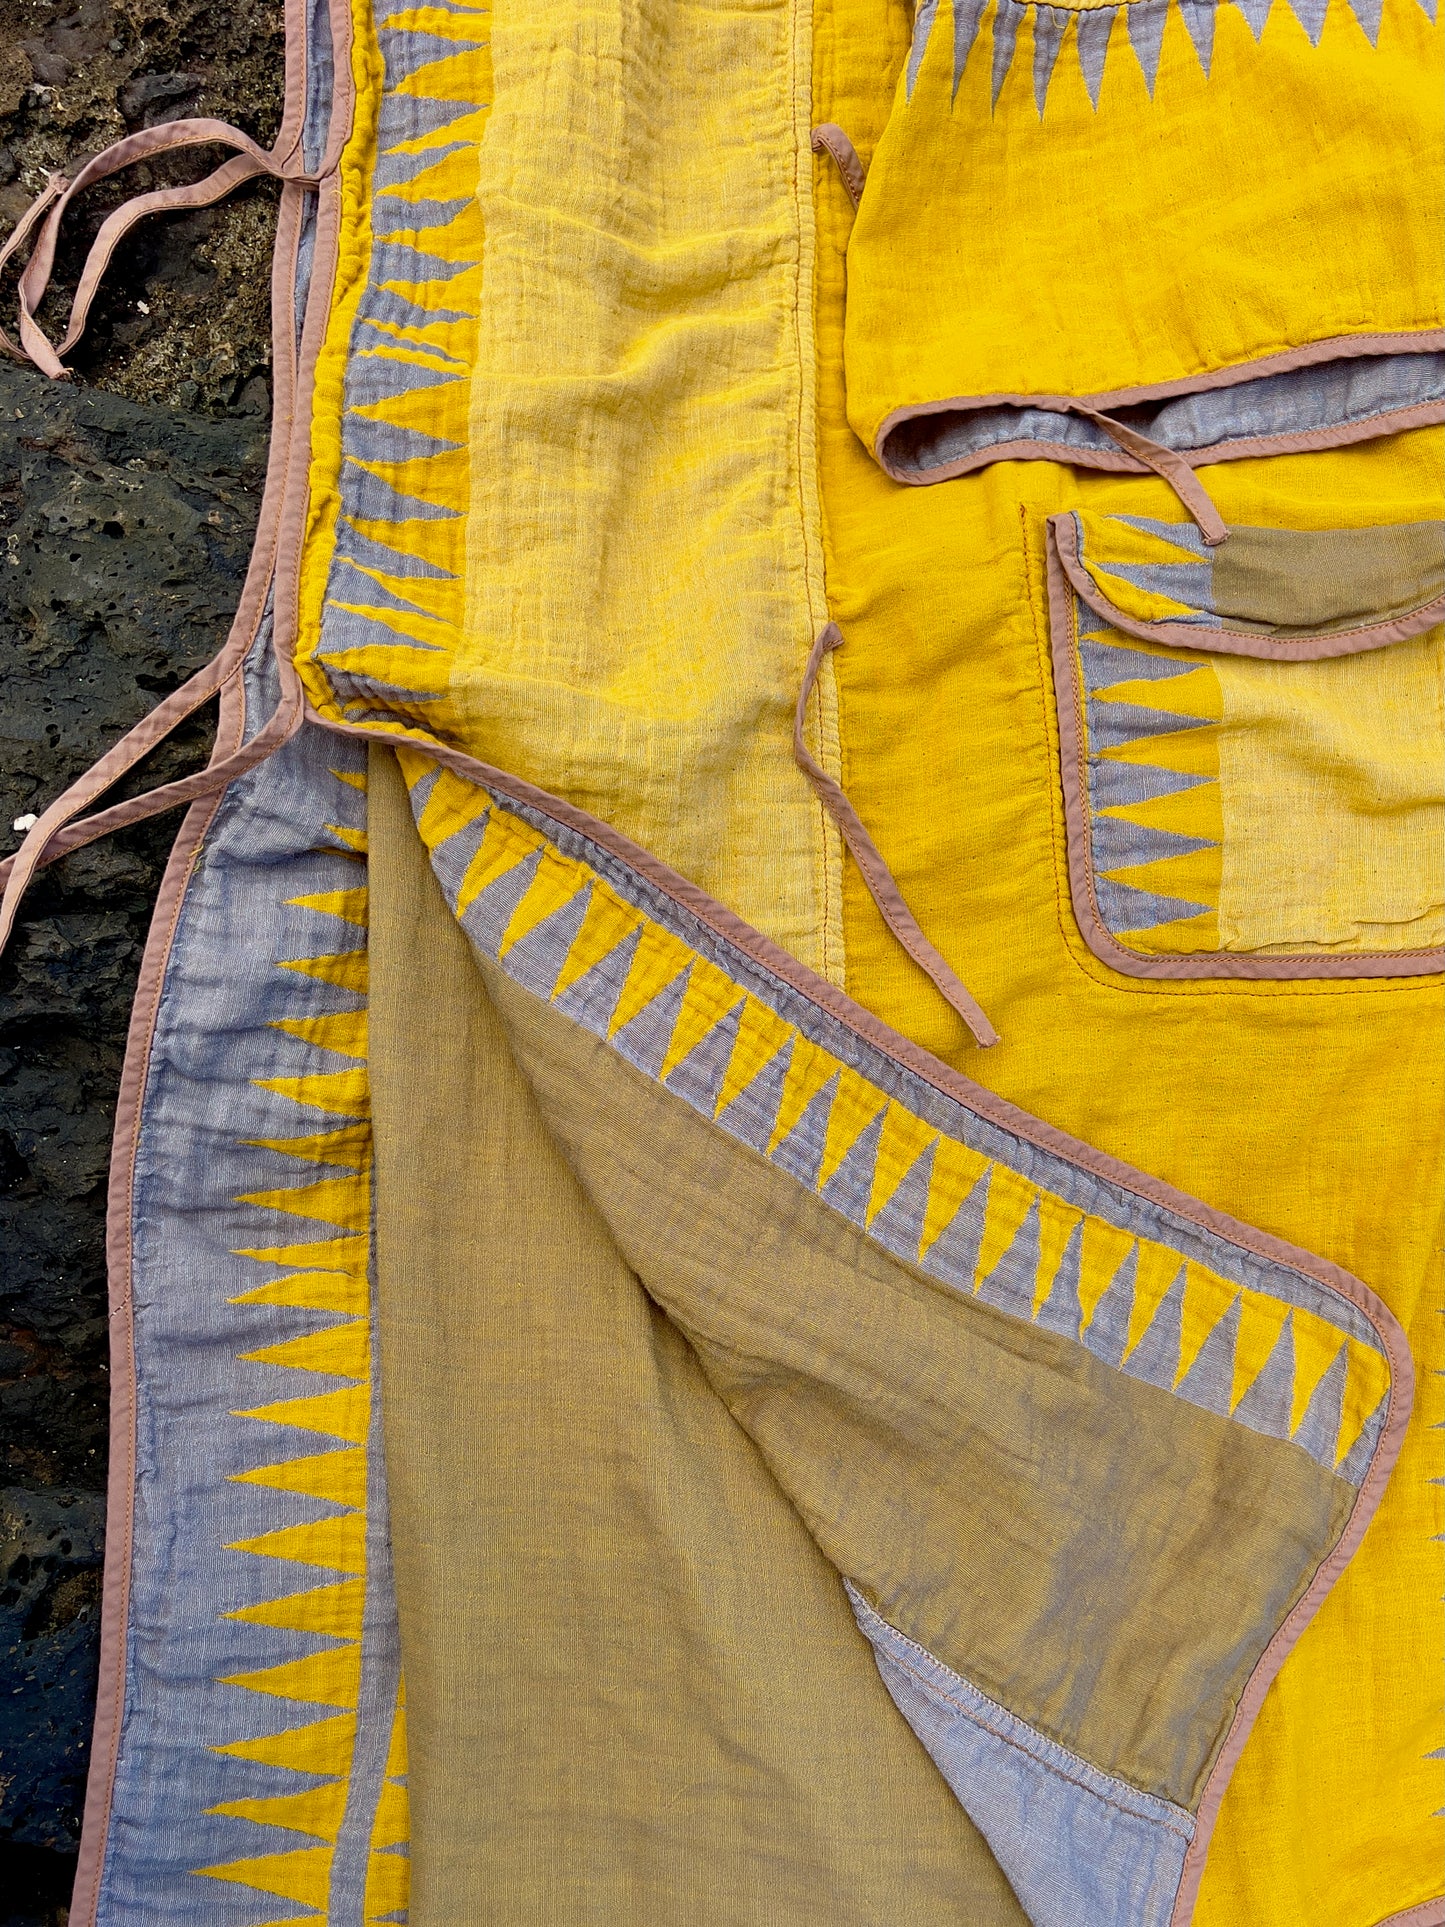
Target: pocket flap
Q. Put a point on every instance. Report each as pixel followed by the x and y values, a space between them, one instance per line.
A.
pixel 1285 594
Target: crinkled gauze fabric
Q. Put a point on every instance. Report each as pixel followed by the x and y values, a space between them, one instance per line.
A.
pixel 639 1397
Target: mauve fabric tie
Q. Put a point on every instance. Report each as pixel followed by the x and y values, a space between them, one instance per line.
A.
pixel 249 160
pixel 1169 467
pixel 875 872
pixel 54 834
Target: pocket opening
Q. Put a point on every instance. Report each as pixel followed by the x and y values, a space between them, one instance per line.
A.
pixel 1325 396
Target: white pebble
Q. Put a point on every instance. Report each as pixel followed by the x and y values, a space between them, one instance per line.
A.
pixel 23 823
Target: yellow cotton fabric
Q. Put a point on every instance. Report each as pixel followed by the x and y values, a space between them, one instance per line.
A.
pixel 634 580
pixel 1292 195
pixel 1310 1109
pixel 636 577
pixel 1332 791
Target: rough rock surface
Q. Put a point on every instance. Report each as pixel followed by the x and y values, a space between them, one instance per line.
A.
pixel 128 500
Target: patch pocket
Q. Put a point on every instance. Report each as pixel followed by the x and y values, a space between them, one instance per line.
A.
pixel 1252 745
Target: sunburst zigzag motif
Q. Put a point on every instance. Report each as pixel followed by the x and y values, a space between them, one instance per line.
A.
pixel 1156 830
pixel 1267 1348
pixel 394 598
pixel 324 1273
pixel 1097 30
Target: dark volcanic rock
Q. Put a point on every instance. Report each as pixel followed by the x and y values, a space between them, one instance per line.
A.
pixel 50 1554
pixel 125 528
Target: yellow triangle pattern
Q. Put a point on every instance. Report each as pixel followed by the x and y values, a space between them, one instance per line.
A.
pixel 330 1678
pixel 1196 694
pixel 1126 542
pixel 1009 1200
pixel 333 1200
pixel 856 1103
pixel 1315 1347
pixel 344 968
pixel 1158 1267
pixel 709 996
pixel 903 1141
pixel 330 1254
pixel 421 338
pixel 345 1414
pixel 304 1875
pixel 349 905
pixel 338 1543
pixel 342 1350
pixel 1366 1383
pixel 957 1168
pixel 339 1477
pixel 1188 752
pixel 331 1612
pixel 1103 1248
pixel 1261 1320
pixel 757 1043
pixel 453 804
pixel 388 1868
pixel 809 1069
pixel 607 922
pixel 318 1811
pixel 1191 812
pixel 388 1883
pixel 329 1275
pixel 351 1146
pixel 350 839
pixel 1057 1222
pixel 658 960
pixel 499 852
pixel 339 1291
pixel 344 1093
pixel 1193 876
pixel 1204 1306
pixel 555 885
pixel 342 1031
pixel 322 1747
pixel 1195 812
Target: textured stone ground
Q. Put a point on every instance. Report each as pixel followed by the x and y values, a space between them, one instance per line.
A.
pixel 127 505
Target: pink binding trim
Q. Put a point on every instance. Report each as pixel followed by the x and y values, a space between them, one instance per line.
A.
pixel 875 872
pixel 1426 1913
pixel 1064 534
pixel 1096 934
pixel 883 1037
pixel 1170 468
pixel 54 834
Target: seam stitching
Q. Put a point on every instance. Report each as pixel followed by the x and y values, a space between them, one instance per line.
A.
pixel 970 1713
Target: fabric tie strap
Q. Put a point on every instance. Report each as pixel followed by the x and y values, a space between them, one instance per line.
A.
pixel 48 210
pixel 1169 467
pixel 875 872
pixel 55 833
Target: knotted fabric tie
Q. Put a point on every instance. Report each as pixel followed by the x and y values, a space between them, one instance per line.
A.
pixel 875 872
pixel 55 833
pixel 47 212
